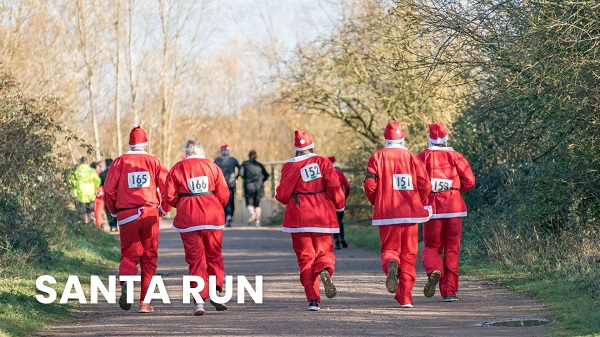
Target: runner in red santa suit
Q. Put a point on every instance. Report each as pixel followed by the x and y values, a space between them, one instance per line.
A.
pixel 197 188
pixel 450 175
pixel 397 186
pixel 312 193
pixel 131 193
pixel 339 240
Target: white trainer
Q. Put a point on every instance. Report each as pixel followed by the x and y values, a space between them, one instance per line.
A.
pixel 199 309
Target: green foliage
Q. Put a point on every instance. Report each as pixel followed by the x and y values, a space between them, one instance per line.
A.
pixel 22 313
pixel 362 234
pixel 40 233
pixel 34 201
pixel 84 251
pixel 532 136
pixel 529 124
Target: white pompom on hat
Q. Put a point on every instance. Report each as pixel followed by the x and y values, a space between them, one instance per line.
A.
pixel 303 140
pixel 224 147
pixel 394 132
pixel 137 137
pixel 437 133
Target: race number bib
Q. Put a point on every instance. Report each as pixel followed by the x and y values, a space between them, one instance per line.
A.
pixel 310 172
pixel 198 184
pixel 138 179
pixel 440 185
pixel 403 182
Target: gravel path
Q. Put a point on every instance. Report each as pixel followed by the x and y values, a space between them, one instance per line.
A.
pixel 363 307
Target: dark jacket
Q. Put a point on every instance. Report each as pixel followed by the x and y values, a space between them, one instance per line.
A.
pixel 228 165
pixel 254 175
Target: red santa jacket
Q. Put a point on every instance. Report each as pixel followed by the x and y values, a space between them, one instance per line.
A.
pixel 134 180
pixel 397 186
pixel 311 190
pixel 450 174
pixel 197 188
pixel 343 182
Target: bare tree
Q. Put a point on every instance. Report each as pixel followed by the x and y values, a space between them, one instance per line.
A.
pixel 130 62
pixel 117 72
pixel 182 23
pixel 88 55
pixel 366 74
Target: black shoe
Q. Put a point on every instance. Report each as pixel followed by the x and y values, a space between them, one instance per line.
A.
pixel 219 306
pixel 391 282
pixel 123 299
pixel 344 244
pixel 336 244
pixel 330 290
pixel 313 305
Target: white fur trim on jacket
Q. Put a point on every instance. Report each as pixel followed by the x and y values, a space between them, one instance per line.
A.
pixel 310 230
pixel 385 222
pixel 197 228
pixel 449 215
pixel 131 218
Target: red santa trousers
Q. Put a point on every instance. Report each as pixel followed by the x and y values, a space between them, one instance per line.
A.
pixel 314 252
pixel 139 244
pixel 400 243
pixel 443 236
pixel 99 207
pixel 203 253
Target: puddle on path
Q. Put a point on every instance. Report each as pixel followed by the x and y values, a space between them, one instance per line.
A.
pixel 516 322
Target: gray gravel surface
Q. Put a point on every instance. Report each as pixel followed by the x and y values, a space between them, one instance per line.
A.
pixel 363 307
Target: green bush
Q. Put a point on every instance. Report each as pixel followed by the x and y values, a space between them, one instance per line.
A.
pixel 35 206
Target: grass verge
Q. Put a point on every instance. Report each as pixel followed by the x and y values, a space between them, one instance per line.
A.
pixel 574 313
pixel 86 252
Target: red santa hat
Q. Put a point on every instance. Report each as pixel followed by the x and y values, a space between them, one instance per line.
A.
pixel 303 140
pixel 437 133
pixel 394 132
pixel 137 137
pixel 224 147
pixel 332 160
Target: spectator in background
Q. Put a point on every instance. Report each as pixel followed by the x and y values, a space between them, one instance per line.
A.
pixel 131 192
pixel 254 175
pixel 83 183
pixel 231 169
pixel 99 201
pixel 112 221
pixel 197 188
pixel 397 186
pixel 450 175
pixel 339 239
pixel 312 194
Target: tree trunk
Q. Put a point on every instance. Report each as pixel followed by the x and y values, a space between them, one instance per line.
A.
pixel 132 83
pixel 117 68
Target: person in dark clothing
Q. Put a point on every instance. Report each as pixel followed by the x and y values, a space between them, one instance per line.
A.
pixel 338 238
pixel 254 175
pixel 231 168
pixel 112 221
